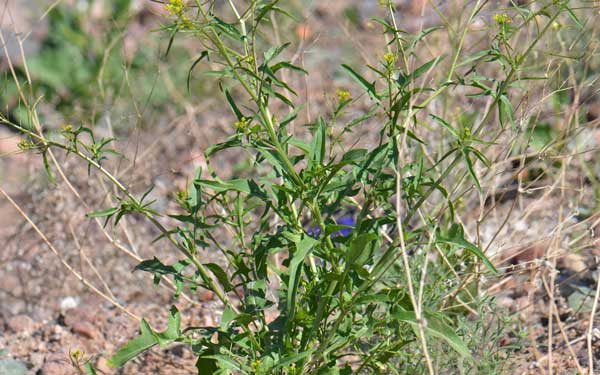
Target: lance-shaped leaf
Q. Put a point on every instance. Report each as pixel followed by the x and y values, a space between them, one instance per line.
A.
pixel 456 237
pixel 147 339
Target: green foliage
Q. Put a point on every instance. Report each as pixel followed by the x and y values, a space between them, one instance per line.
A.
pixel 357 230
pixel 82 68
pixel 148 338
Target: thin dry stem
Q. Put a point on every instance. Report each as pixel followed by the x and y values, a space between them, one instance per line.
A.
pixel 64 262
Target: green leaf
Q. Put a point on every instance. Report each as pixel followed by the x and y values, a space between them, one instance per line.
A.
pixel 505 110
pixel 233 141
pixel 89 369
pixel 445 125
pixel 273 52
pixel 234 107
pixel 478 56
pixel 423 34
pixel 317 148
pixel 228 363
pixel 243 186
pixel 300 144
pixel 456 237
pixel 465 153
pixel 354 155
pixel 206 366
pixel 145 341
pixel 189 75
pixel 303 248
pixel 107 212
pixel 292 359
pixel 436 328
pixel 173 331
pixel 228 29
pixel 221 275
pixel 227 317
pixel 155 266
pixel 369 87
pixel 358 253
pixel 287 65
pixel 148 339
pixel 426 67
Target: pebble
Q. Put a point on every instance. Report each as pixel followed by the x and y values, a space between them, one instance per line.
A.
pixel 57 368
pixel 67 303
pixel 79 321
pixel 206 296
pixel 84 329
pixel 21 324
pixel 57 364
pixel 37 359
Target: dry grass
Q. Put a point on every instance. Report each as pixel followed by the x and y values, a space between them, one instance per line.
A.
pixel 537 217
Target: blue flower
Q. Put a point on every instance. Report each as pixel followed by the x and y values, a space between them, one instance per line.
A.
pixel 346 220
pixel 345 232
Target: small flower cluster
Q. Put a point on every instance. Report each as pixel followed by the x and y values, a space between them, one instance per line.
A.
pixel 502 19
pixel 70 133
pixel 467 132
pixel 25 145
pixel 67 128
pixel 390 58
pixel 342 95
pixel 175 7
pixel 242 124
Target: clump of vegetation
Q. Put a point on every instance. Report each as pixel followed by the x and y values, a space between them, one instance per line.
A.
pixel 341 258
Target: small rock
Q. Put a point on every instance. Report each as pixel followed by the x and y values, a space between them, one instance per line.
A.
pixel 84 329
pixel 79 321
pixel 178 350
pixel 505 302
pixel 57 368
pixel 37 359
pixel 206 296
pixel 573 262
pixel 21 324
pixel 69 303
pixel 57 363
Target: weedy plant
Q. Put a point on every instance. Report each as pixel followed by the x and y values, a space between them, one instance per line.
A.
pixel 340 260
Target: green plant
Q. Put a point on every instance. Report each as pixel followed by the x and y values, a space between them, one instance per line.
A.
pixel 381 292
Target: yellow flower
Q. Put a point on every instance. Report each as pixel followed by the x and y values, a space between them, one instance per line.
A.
pixel 186 22
pixel 25 145
pixel 342 95
pixel 67 128
pixel 182 195
pixel 77 354
pixel 390 58
pixel 468 132
pixel 242 124
pixel 556 26
pixel 502 19
pixel 175 7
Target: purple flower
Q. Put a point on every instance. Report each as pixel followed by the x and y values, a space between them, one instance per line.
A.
pixel 344 232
